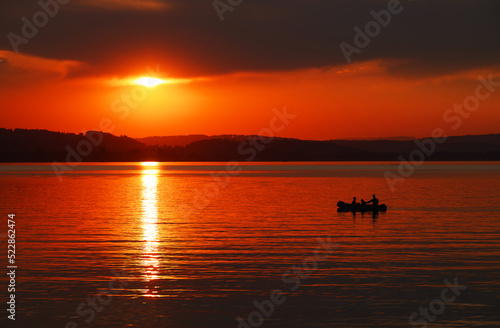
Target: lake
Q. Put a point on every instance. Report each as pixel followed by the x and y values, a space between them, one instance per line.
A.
pixel 252 245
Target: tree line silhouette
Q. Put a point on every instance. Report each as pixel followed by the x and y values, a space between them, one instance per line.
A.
pixel 23 145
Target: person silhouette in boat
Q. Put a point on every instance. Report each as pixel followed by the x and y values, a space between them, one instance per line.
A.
pixel 374 201
pixel 354 201
pixel 363 203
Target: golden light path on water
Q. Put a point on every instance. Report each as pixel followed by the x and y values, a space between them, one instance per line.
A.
pixel 151 260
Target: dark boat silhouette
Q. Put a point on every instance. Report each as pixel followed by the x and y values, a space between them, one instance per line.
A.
pixel 347 207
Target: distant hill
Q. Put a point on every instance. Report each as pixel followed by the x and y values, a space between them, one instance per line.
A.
pixel 380 138
pixel 184 140
pixel 481 144
pixel 278 149
pixel 174 141
pixel 21 145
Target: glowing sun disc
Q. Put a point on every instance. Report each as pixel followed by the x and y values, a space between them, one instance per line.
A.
pixel 149 81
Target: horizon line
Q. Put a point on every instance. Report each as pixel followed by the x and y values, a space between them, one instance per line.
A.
pixel 391 138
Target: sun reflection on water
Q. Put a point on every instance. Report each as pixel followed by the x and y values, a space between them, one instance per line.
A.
pixel 151 260
pixel 149 163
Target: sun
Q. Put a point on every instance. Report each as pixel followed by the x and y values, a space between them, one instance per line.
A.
pixel 149 82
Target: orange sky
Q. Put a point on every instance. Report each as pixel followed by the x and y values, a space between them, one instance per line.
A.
pixel 359 100
pixel 225 77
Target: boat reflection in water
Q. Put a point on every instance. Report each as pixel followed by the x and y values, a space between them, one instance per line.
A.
pixel 150 255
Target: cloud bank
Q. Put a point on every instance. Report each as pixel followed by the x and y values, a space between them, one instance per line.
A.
pixel 428 38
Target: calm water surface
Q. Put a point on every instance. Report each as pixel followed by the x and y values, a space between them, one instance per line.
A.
pixel 195 245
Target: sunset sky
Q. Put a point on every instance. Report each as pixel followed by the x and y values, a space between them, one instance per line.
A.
pixel 225 77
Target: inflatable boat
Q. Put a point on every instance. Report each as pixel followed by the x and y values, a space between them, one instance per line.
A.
pixel 347 207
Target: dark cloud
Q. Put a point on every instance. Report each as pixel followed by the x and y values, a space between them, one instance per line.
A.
pixel 429 37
